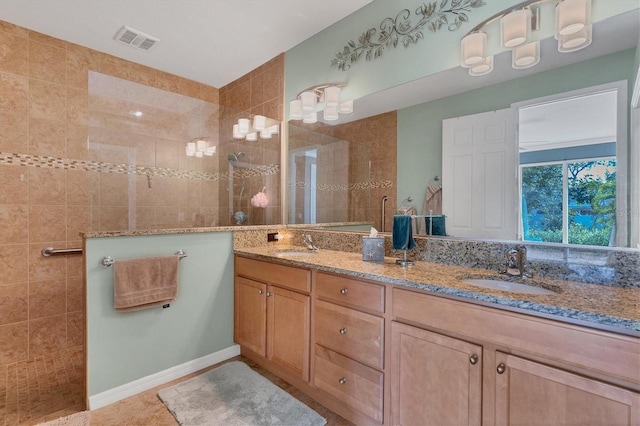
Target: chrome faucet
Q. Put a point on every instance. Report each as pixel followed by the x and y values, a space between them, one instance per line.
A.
pixel 308 241
pixel 517 262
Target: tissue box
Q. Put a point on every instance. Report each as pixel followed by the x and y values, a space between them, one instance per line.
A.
pixel 373 249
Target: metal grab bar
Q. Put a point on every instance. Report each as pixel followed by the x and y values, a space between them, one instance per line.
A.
pixel 384 202
pixel 107 261
pixel 50 251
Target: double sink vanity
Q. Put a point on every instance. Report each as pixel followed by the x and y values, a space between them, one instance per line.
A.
pixel 434 344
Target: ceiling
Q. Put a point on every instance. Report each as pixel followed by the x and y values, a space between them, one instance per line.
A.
pixel 209 41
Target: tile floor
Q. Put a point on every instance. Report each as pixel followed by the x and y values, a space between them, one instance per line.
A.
pixel 147 409
pixel 33 390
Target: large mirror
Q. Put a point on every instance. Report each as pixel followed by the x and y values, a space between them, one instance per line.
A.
pixel 417 110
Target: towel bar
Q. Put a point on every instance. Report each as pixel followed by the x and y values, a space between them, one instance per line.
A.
pixel 107 261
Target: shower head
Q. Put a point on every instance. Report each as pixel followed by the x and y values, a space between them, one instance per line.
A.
pixel 233 157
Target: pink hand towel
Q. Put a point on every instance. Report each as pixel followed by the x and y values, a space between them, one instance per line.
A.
pixel 433 200
pixel 145 282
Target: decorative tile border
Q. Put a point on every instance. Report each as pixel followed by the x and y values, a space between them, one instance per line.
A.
pixel 344 187
pixel 132 169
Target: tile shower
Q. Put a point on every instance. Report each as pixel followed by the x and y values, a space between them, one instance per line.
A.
pixel 73 158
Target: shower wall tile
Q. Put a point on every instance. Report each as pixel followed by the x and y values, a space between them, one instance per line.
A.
pixel 77 141
pixel 77 187
pixel 114 189
pixel 48 334
pixel 14 184
pixel 167 217
pixel 114 218
pixel 75 263
pixel 15 222
pixel 143 151
pixel 47 62
pixel 35 36
pixel 47 101
pixel 15 94
pixel 14 259
pixel 46 268
pixel 14 303
pixel 47 186
pixel 75 328
pixel 168 153
pixel 146 217
pixel 47 137
pixel 14 338
pixel 79 61
pixel 47 223
pixel 75 293
pixel 77 221
pixel 77 106
pixel 113 66
pixel 15 58
pixel 14 130
pixel 47 298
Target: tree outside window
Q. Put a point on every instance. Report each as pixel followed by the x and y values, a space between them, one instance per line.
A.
pixel 570 202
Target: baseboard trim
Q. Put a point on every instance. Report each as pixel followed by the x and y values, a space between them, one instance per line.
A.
pixel 132 388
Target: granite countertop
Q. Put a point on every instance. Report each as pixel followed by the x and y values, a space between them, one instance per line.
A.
pixel 609 308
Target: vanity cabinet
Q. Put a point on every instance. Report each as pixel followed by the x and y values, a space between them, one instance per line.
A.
pixel 532 370
pixel 349 332
pixel 436 380
pixel 272 313
pixel 523 387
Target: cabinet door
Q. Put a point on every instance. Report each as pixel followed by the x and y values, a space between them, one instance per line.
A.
pixel 529 393
pixel 288 326
pixel 250 315
pixel 435 379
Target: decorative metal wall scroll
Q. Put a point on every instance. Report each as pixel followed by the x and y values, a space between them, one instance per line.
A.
pixel 449 13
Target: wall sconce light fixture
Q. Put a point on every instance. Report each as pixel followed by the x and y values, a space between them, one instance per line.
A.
pixel 572 30
pixel 199 147
pixel 325 97
pixel 249 130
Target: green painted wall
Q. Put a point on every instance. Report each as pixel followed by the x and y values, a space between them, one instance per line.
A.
pixel 123 347
pixel 420 127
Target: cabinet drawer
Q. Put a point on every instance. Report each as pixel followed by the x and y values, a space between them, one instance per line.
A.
pixel 607 353
pixel 351 333
pixel 284 276
pixel 355 384
pixel 351 292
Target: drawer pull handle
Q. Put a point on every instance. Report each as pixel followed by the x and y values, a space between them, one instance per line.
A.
pixel 473 359
pixel 344 291
pixel 343 331
pixel 342 381
pixel 269 294
pixel 260 291
pixel 501 368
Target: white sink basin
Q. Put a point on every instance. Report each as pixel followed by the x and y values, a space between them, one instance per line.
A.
pixel 507 286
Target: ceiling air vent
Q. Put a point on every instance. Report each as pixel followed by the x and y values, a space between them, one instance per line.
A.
pixel 135 38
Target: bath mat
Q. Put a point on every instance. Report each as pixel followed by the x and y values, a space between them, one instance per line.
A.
pixel 235 395
pixel 76 419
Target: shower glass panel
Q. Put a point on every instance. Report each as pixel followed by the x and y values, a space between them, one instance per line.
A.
pixel 329 178
pixel 159 160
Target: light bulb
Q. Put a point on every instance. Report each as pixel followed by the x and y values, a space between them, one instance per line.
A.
pixel 259 122
pixel 473 48
pixel 310 118
pixel 295 109
pixel 332 96
pixel 243 126
pixel 525 56
pixel 309 100
pixel 515 27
